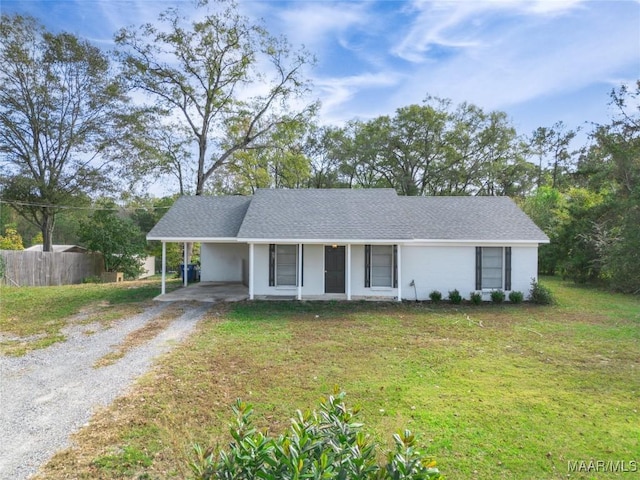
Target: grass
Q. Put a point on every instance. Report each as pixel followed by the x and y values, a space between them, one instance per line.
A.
pixel 496 391
pixel 34 317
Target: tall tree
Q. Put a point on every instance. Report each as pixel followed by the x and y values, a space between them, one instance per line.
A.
pixel 281 164
pixel 432 149
pixel 321 147
pixel 618 146
pixel 58 100
pixel 553 146
pixel 228 80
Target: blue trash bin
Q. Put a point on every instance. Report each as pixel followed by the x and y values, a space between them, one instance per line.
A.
pixel 192 272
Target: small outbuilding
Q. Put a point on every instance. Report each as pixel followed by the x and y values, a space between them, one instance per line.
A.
pixel 58 248
pixel 356 243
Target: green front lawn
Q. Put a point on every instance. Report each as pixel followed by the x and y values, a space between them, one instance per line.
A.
pixel 492 391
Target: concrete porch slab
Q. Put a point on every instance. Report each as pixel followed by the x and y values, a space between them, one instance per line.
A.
pixel 210 292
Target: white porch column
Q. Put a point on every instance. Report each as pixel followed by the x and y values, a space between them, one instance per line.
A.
pixel 251 260
pixel 348 271
pixel 399 267
pixel 299 271
pixel 164 268
pixel 184 266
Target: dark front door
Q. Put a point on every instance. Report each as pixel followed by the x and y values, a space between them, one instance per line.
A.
pixel 333 269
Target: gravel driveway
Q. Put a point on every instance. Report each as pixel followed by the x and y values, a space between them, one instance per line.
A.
pixel 48 394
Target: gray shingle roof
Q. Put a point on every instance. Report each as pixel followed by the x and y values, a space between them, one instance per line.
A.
pixel 345 214
pixel 202 217
pixel 468 218
pixel 323 214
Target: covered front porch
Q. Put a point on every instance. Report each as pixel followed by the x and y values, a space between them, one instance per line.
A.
pixel 215 292
pixel 313 270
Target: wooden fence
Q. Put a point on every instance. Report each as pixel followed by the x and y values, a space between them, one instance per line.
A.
pixel 48 268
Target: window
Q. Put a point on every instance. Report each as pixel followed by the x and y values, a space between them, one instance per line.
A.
pixel 380 266
pixel 493 268
pixel 286 268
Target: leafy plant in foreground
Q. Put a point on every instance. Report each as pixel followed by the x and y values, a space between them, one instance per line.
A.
pixel 324 444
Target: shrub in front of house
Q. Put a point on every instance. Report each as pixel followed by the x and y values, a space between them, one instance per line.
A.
pixel 540 294
pixel 325 444
pixel 516 297
pixel 475 298
pixel 497 296
pixel 455 297
pixel 435 296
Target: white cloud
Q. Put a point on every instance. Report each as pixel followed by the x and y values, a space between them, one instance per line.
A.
pixel 549 7
pixel 433 25
pixel 464 25
pixel 521 57
pixel 337 93
pixel 313 24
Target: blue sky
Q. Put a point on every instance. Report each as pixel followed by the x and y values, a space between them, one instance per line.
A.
pixel 539 61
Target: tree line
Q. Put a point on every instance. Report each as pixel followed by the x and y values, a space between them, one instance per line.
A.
pixel 220 106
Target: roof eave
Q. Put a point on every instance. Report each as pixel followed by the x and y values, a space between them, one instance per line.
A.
pixel 192 239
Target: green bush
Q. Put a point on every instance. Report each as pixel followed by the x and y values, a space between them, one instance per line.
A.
pixel 120 241
pixel 435 296
pixel 11 239
pixel 540 294
pixel 328 444
pixel 497 296
pixel 475 298
pixel 516 297
pixel 455 297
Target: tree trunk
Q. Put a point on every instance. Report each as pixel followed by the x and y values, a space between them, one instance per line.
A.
pixel 189 251
pixel 48 220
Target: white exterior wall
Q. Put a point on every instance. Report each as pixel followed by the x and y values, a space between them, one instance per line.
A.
pixel 524 268
pixel 445 268
pixel 441 268
pixel 313 270
pixel 438 268
pixel 222 262
pixel 314 274
pixel 261 271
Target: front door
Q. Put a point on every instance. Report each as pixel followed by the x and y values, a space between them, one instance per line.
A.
pixel 333 269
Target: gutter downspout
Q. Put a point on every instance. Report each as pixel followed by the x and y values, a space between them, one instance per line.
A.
pixel 399 260
pixel 251 261
pixel 348 271
pixel 299 271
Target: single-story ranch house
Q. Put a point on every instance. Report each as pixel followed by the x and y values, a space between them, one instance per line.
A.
pixel 356 243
